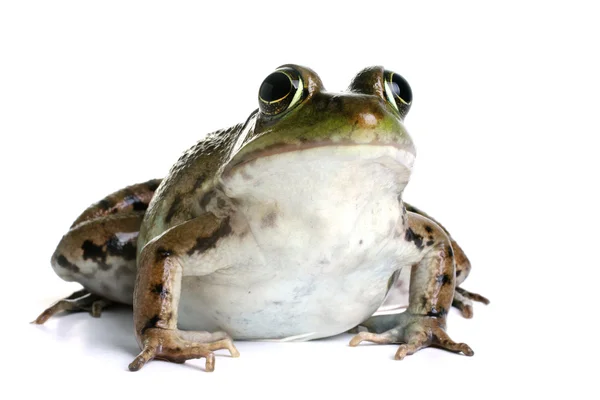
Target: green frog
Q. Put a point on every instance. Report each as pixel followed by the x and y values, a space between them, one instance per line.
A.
pixel 289 226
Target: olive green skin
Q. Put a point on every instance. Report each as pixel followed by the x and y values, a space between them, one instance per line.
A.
pixel 361 115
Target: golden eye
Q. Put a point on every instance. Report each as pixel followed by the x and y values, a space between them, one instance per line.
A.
pixel 280 91
pixel 397 91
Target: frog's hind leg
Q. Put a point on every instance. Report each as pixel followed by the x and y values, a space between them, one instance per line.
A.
pixel 81 300
pixel 99 252
pixel 463 299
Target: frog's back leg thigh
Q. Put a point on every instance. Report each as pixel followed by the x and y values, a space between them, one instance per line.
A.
pixel 462 298
pixel 99 251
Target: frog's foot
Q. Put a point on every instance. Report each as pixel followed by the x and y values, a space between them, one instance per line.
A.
pixel 463 300
pixel 178 346
pixel 82 300
pixel 414 332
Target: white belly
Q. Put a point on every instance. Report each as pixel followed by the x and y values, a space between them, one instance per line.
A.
pixel 311 253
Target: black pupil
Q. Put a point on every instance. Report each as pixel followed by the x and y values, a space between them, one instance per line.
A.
pixel 400 88
pixel 276 86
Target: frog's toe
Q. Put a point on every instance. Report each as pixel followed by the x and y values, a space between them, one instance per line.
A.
pixel 180 346
pixel 473 296
pixel 441 339
pixel 463 300
pixel 82 300
pixel 464 305
pixel 380 338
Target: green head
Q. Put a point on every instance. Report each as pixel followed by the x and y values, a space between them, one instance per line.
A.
pixel 296 113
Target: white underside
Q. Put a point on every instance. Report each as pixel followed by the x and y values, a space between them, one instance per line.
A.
pixel 313 247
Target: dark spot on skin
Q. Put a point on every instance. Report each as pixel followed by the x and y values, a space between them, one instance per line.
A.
pixel 443 279
pixel 435 313
pixel 152 185
pixel 199 182
pixel 458 273
pixel 126 250
pixel 177 348
pixel 104 204
pixel 95 253
pixel 64 263
pixel 428 229
pixel 161 253
pixel 320 103
pixel 150 324
pixel 135 202
pixel 173 209
pixel 430 243
pixel 205 243
pixel 360 241
pixel 411 236
pixel 268 220
pixel 160 290
pixel 206 199
pixel 449 251
pixel 220 203
pixel 424 301
pixel 140 206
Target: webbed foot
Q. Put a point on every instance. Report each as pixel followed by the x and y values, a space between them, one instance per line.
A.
pixel 463 300
pixel 414 332
pixel 178 346
pixel 82 300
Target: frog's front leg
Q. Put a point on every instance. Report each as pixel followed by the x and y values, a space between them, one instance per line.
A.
pixel 157 291
pixel 431 292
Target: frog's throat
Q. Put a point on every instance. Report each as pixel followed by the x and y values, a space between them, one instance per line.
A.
pixel 320 174
pixel 403 155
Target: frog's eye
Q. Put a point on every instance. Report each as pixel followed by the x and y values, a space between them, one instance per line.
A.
pixel 397 91
pixel 280 91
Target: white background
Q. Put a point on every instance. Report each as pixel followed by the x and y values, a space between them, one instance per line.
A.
pixel 98 95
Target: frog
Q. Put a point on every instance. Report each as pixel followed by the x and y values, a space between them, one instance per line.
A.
pixel 289 226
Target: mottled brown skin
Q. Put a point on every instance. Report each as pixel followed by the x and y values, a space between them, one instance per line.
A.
pixel 91 239
pixel 188 213
pixel 155 317
pixel 130 199
pixel 462 298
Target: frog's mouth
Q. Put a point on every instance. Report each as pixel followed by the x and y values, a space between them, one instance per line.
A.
pixel 390 153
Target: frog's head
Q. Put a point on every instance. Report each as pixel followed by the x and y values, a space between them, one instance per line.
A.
pixel 301 125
